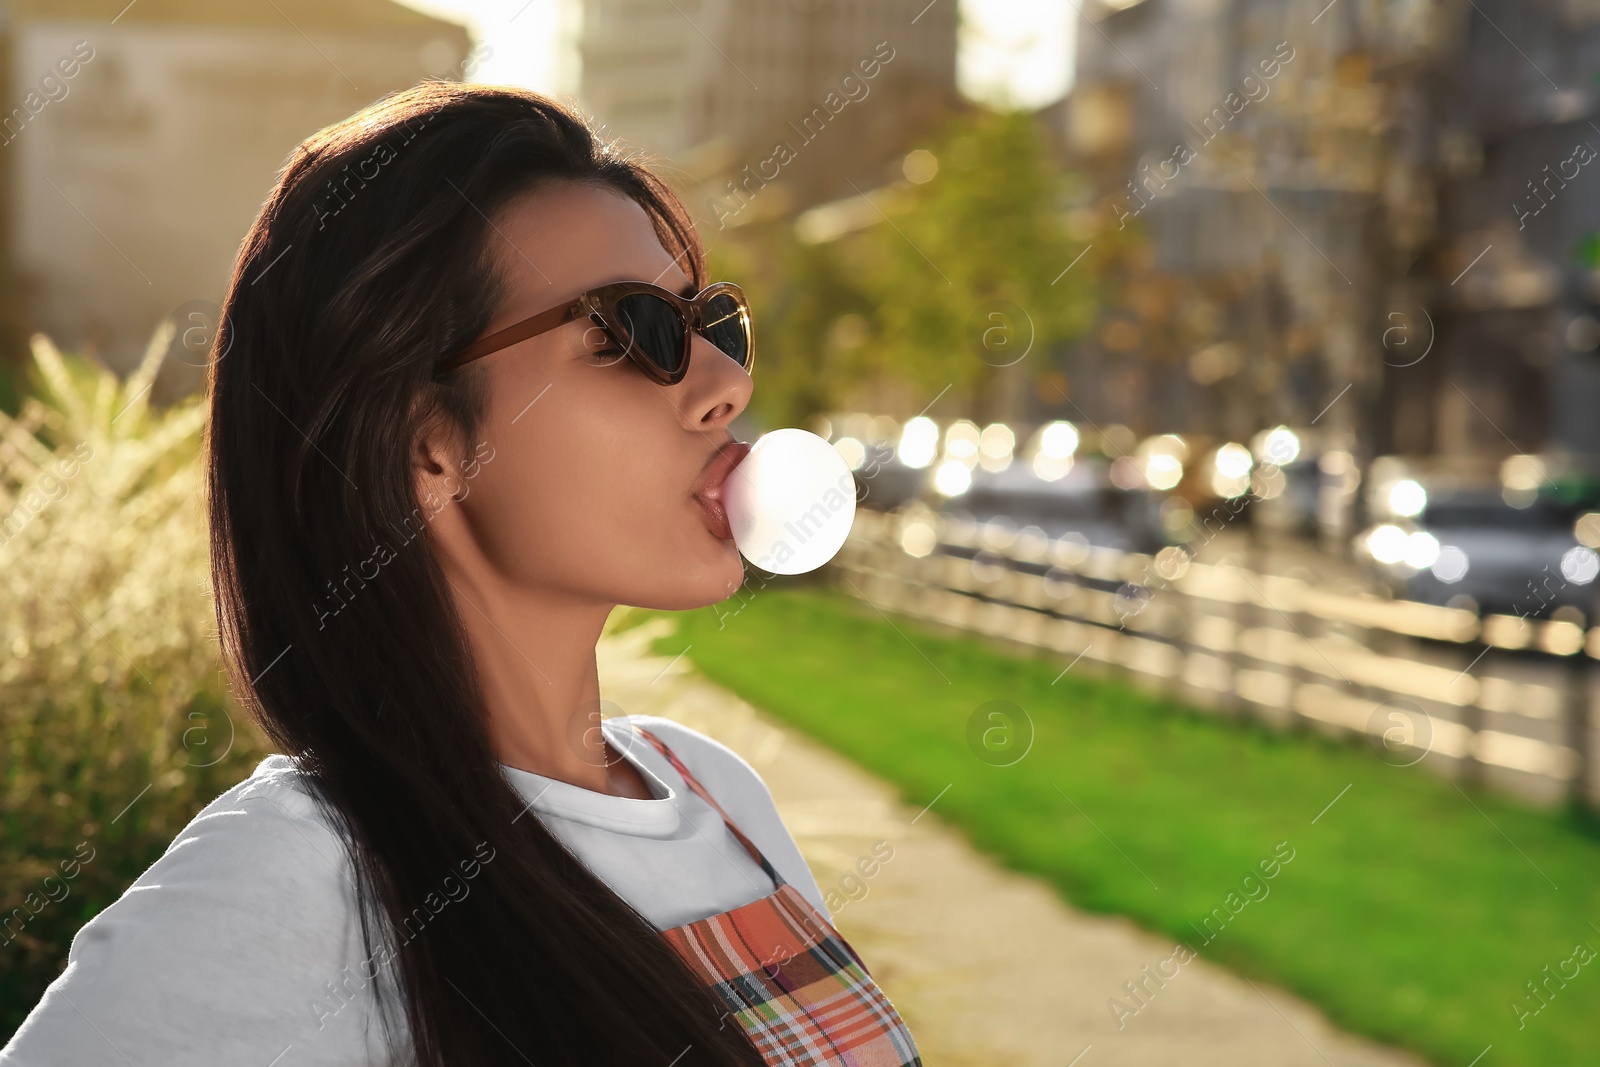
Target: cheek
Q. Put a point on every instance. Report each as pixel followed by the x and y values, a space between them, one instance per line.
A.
pixel 590 489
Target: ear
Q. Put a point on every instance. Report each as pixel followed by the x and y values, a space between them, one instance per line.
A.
pixel 435 456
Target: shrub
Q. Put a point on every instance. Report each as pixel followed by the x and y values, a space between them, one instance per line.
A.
pixel 116 719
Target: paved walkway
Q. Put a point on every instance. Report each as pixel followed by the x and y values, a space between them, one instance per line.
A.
pixel 986 966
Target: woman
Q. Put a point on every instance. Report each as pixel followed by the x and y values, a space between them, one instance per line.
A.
pixel 444 443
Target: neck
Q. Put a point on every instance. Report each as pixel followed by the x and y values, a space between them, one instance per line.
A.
pixel 535 657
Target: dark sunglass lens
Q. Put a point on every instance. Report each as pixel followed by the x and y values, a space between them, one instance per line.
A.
pixel 655 326
pixel 724 327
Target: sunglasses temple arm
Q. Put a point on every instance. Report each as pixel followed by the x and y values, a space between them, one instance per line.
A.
pixel 532 326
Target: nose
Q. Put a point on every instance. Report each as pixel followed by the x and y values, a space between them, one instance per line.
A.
pixel 715 389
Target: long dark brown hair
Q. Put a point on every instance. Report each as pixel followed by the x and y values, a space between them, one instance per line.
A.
pixel 370 259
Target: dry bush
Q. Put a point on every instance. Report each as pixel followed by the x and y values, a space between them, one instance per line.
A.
pixel 114 711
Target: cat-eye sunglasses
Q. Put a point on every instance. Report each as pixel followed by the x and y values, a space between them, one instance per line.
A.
pixel 652 325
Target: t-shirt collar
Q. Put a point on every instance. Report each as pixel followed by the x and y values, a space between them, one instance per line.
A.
pixel 657 817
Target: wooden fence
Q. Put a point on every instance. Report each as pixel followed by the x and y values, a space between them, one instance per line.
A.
pixel 1499 700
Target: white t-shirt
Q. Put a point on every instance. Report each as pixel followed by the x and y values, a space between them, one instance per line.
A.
pixel 241 944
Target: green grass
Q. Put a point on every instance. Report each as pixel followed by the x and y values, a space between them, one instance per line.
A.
pixel 1404 913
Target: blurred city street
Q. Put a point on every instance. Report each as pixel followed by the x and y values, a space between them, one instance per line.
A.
pixel 1219 380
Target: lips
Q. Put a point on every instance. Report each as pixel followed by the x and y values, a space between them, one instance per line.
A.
pixel 713 478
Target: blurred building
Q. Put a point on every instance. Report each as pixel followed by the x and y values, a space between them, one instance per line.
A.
pixel 1506 124
pixel 139 140
pixel 764 107
pixel 1368 219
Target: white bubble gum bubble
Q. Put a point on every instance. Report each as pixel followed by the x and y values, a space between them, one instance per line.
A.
pixel 790 502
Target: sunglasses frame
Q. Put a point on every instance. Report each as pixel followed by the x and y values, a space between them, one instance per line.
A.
pixel 600 305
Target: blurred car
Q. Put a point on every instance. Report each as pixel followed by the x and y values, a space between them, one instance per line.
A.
pixel 1291 510
pixel 1471 548
pixel 883 482
pixel 1082 505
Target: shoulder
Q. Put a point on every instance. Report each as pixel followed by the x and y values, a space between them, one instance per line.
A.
pixel 741 791
pixel 220 950
pixel 263 837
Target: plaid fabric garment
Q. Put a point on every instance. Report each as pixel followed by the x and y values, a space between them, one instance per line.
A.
pixel 787 976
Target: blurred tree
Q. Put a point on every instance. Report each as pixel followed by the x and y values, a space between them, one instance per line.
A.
pixel 946 280
pixel 798 292
pixel 1588 250
pixel 970 271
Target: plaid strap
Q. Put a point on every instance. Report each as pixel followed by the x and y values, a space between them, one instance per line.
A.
pixel 786 976
pixel 694 783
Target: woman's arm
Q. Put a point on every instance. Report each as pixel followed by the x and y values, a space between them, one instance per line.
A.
pixel 239 945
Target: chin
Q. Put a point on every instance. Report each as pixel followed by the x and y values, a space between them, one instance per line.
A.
pixel 724 580
pixel 681 585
